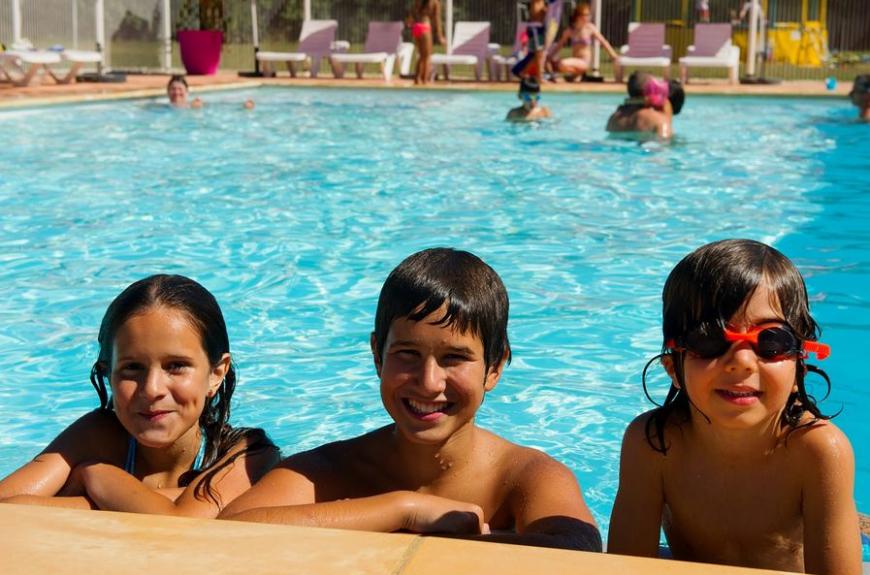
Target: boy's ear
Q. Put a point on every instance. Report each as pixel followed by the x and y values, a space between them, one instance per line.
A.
pixel 494 373
pixel 218 373
pixel 668 364
pixel 373 342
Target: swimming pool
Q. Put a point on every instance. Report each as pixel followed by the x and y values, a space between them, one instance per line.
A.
pixel 293 215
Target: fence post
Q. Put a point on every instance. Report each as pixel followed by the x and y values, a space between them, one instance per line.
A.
pixel 16 21
pixel 167 36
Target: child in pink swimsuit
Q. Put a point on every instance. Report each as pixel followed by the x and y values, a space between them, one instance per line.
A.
pixel 425 15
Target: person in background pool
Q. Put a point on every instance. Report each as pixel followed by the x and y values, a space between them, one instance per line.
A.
pixel 425 24
pixel 579 36
pixel 738 465
pixel 530 110
pixel 177 91
pixel 161 442
pixel 860 96
pixel 439 345
pixel 649 108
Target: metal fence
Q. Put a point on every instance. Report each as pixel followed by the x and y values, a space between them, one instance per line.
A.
pixel 136 30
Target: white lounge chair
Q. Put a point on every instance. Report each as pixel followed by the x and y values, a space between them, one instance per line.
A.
pixel 22 67
pixel 712 49
pixel 315 43
pixel 382 45
pixel 499 64
pixel 470 47
pixel 76 59
pixel 646 48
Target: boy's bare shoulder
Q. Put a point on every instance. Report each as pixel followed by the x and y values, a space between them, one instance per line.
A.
pixel 342 468
pixel 516 461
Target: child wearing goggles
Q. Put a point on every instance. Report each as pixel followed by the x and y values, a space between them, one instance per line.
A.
pixel 530 110
pixel 738 465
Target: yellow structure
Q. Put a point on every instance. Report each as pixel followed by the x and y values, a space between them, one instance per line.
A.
pixel 803 43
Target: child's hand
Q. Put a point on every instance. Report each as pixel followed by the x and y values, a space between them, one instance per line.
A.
pixel 433 514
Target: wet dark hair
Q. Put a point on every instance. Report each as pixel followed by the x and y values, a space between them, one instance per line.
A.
pixel 709 286
pixel 475 297
pixel 861 85
pixel 202 310
pixel 676 95
pixel 635 83
pixel 529 85
pixel 177 78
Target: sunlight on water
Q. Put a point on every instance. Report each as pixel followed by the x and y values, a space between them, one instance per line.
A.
pixel 294 214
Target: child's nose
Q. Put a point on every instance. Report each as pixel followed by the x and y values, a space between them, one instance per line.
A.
pixel 741 355
pixel 154 385
pixel 432 377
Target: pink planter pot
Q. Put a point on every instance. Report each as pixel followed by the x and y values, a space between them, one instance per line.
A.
pixel 200 50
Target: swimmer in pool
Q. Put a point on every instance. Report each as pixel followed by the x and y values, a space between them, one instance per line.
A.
pixel 738 465
pixel 439 346
pixel 530 109
pixel 649 109
pixel 425 24
pixel 160 441
pixel 579 36
pixel 860 96
pixel 177 91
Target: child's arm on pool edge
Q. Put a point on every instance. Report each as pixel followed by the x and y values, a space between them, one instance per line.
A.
pixel 287 495
pixel 636 519
pixel 113 489
pixel 548 508
pixel 832 541
pixel 47 475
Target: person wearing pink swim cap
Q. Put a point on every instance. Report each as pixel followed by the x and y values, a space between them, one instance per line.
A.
pixel 649 109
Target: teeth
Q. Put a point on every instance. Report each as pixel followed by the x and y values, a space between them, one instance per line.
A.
pixel 740 393
pixel 425 407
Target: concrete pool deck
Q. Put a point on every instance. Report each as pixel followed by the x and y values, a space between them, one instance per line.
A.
pixel 37 540
pixel 149 85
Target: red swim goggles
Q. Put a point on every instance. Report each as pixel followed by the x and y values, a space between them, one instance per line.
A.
pixel 775 342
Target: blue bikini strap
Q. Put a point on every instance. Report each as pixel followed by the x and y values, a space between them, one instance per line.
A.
pixel 130 462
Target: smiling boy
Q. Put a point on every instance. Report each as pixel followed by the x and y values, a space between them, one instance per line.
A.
pixel 439 345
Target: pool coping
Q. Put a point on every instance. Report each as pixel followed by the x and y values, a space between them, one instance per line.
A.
pixel 37 540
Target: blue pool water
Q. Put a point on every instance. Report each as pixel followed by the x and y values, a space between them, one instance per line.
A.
pixel 294 213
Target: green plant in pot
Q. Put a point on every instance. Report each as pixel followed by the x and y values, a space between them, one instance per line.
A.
pixel 201 26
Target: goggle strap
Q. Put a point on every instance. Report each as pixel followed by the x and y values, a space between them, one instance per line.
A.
pixel 821 350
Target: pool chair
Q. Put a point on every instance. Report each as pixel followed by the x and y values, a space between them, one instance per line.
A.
pixel 315 43
pixel 499 65
pixel 646 48
pixel 381 47
pixel 23 67
pixel 76 59
pixel 470 48
pixel 712 49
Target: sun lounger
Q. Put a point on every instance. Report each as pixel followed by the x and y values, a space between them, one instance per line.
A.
pixel 76 59
pixel 500 65
pixel 646 48
pixel 470 47
pixel 22 67
pixel 381 47
pixel 315 43
pixel 712 49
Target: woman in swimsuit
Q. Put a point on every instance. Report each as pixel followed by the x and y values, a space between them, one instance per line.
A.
pixel 580 36
pixel 160 442
pixel 425 15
